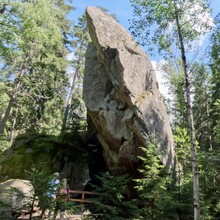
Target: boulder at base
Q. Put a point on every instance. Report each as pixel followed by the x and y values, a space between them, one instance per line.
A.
pixel 125 108
pixel 15 195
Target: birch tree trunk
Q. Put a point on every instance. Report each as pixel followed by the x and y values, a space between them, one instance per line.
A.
pixel 68 104
pixel 190 121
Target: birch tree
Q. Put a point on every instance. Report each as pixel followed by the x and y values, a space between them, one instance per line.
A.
pixel 174 26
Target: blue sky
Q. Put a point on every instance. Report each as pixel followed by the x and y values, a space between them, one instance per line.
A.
pixel 122 8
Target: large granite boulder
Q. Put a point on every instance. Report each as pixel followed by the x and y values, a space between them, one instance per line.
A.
pixel 125 107
pixel 15 195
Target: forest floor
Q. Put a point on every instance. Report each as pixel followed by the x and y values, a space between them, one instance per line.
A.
pixel 71 217
pixel 67 216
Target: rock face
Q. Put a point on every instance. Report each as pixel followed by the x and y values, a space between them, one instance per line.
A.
pixel 125 107
pixel 15 195
pixel 69 157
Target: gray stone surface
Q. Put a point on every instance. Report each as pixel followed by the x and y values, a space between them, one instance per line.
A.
pixel 121 95
pixel 15 195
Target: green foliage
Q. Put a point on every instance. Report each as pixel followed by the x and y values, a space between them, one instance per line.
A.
pixel 80 41
pixel 77 120
pixel 39 176
pixel 215 80
pixel 217 126
pixel 113 203
pixel 4 98
pixel 179 205
pixel 209 174
pixel 27 149
pixel 33 60
pixel 155 23
pixel 182 184
pixel 176 81
pixel 215 60
pixel 152 184
pixel 176 28
pixel 163 197
pixel 182 149
pixel 202 105
pixel 75 114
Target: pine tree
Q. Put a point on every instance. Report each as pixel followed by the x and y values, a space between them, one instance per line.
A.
pixel 152 184
pixel 202 106
pixel 33 62
pixel 113 202
pixel 39 177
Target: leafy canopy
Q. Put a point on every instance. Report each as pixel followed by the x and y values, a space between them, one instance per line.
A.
pixel 155 22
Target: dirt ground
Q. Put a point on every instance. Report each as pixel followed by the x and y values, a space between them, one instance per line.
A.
pixel 71 217
pixel 67 216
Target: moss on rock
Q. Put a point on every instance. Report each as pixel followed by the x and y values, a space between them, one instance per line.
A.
pixel 33 149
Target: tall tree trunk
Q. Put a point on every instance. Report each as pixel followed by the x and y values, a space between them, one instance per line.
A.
pixel 9 106
pixel 208 123
pixel 13 127
pixel 190 121
pixel 16 83
pixel 68 104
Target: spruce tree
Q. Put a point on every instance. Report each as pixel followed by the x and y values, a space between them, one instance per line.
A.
pixel 215 81
pixel 33 57
pixel 152 184
pixel 113 202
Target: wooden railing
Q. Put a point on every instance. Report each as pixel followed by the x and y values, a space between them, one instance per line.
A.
pixel 82 199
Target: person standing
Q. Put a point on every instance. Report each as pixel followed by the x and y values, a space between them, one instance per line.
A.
pixel 53 186
pixel 61 199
